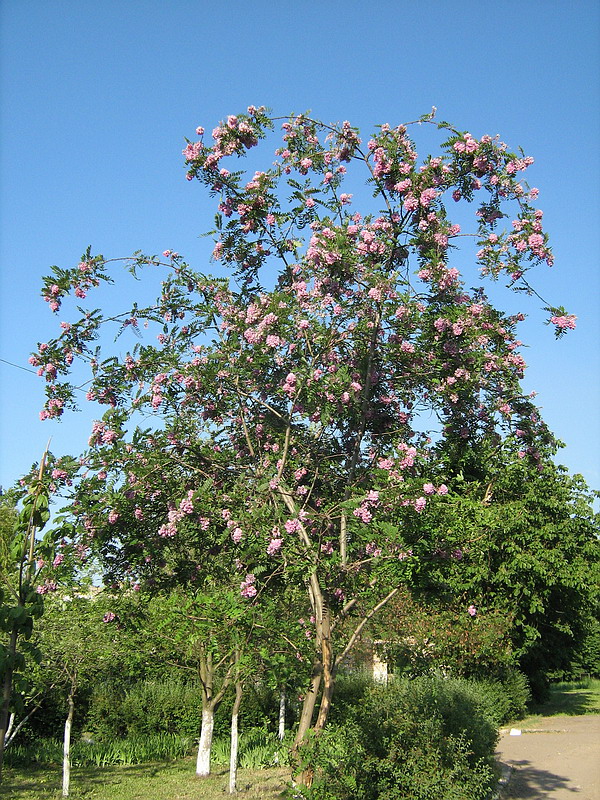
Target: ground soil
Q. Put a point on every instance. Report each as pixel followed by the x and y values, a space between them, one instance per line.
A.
pixel 554 757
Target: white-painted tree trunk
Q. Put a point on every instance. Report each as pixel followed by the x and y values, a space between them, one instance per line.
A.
pixel 204 747
pixel 11 722
pixel 67 748
pixel 281 732
pixel 233 758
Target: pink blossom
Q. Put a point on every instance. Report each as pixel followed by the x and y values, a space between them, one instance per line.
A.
pixel 237 535
pixel 442 489
pixel 564 321
pixel 247 588
pixel 410 203
pixel 110 616
pixel 274 546
pixel 113 516
pixel 427 197
pixel 429 488
pixel 363 514
pixel 420 504
pixel 292 525
pixel 168 530
pixel 186 507
pixel 472 611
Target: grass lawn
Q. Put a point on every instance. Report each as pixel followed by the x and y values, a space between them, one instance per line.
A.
pixel 569 699
pixel 173 781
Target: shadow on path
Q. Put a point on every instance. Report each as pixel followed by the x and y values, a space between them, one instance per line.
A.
pixel 528 781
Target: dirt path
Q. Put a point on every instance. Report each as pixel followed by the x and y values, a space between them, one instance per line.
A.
pixel 554 757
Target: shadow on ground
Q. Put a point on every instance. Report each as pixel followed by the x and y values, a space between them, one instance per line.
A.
pixel 575 702
pixel 532 783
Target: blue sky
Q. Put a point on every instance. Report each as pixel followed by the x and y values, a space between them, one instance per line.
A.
pixel 97 97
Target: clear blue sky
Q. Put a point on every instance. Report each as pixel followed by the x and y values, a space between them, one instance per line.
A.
pixel 96 98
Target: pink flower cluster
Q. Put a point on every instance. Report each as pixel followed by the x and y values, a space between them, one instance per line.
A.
pixel 564 321
pixel 47 586
pixel 247 587
pixel 364 511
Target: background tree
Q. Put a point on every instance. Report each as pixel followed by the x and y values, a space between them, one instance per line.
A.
pixel 77 648
pixel 23 562
pixel 528 549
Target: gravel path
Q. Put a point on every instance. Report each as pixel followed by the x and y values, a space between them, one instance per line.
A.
pixel 554 757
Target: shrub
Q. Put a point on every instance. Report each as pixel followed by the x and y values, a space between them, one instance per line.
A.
pixel 430 738
pixel 148 708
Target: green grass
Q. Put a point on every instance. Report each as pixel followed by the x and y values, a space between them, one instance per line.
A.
pixel 570 700
pixel 174 781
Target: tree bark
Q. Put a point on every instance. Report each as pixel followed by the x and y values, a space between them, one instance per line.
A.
pixel 281 731
pixel 210 703
pixel 308 706
pixel 328 671
pixel 233 758
pixel 205 744
pixel 67 744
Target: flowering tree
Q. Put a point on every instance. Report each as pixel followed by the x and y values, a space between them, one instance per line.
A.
pixel 274 420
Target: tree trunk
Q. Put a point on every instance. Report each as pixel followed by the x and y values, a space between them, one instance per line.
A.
pixel 233 758
pixel 67 744
pixel 328 671
pixel 281 731
pixel 205 744
pixel 308 707
pixel 6 694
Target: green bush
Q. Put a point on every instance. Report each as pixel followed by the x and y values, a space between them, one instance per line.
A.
pixel 170 706
pixel 430 738
pixel 503 699
pixel 145 709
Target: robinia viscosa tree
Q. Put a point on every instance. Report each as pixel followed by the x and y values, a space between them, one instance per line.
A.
pixel 286 400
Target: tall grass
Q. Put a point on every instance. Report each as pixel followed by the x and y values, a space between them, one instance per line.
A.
pixel 133 750
pixel 257 749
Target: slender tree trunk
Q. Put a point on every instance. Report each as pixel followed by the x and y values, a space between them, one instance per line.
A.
pixel 6 694
pixel 13 730
pixel 67 744
pixel 11 724
pixel 233 758
pixel 281 731
pixel 328 671
pixel 205 744
pixel 308 707
pixel 210 703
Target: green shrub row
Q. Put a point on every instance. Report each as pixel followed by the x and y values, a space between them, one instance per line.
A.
pixel 505 698
pixel 148 708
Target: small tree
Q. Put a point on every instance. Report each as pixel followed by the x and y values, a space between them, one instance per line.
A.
pixel 22 564
pixel 290 399
pixel 78 646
